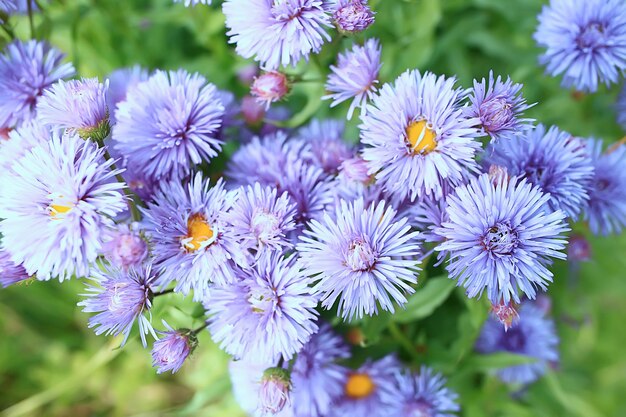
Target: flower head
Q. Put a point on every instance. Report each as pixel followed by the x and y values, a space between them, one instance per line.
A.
pixel 498 105
pixel 275 390
pixel 65 193
pixel 620 107
pixel 276 32
pixel 168 122
pixel 27 69
pixel 10 272
pixel 170 351
pixel 270 87
pixel 120 298
pixel 351 16
pixel 579 249
pixel 501 238
pixel 553 160
pixel 417 136
pixel 362 257
pixel 585 40
pixel 120 81
pixel 355 76
pixel 606 212
pixel 533 335
pixel 193 244
pixel 425 394
pixel 19 141
pixel 323 144
pixel 125 248
pixel 267 313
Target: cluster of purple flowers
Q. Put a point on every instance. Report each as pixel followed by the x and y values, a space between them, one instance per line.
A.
pixel 109 180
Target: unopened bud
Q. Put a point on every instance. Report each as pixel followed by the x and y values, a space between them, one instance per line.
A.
pixel 270 87
pixel 275 390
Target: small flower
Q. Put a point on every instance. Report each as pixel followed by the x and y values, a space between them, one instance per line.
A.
pixel 362 256
pixel 125 248
pixel 351 16
pixel 120 298
pixel 323 144
pixel 506 313
pixel 498 105
pixel 19 142
pixel 534 335
pixel 270 87
pixel 10 272
pixel 267 313
pixel 620 107
pixel 354 169
pixel 120 81
pixel 247 74
pixel 501 238
pixel 417 137
pixel 252 111
pixel 170 351
pixel 275 390
pixel 606 212
pixel 355 76
pixel 585 40
pixel 578 249
pixel 27 69
pixel 276 32
pixel 424 394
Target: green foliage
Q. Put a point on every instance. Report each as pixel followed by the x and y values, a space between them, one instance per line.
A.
pixel 51 364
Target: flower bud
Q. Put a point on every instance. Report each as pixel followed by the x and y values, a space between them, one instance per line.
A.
pixel 353 17
pixel 505 313
pixel 125 248
pixel 275 390
pixel 498 174
pixel 169 352
pixel 252 111
pixel 270 87
pixel 579 249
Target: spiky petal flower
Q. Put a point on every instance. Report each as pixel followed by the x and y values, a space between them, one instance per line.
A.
pixel 270 87
pixel 276 32
pixel 606 212
pixel 261 219
pixel 193 244
pixel 27 69
pixel 124 247
pixel 267 313
pixel 120 81
pixel 554 160
pixel 275 391
pixel 498 105
pixel 169 122
pixel 351 16
pixel 363 257
pixel 585 40
pixel 19 142
pixel 323 144
pixel 501 238
pixel 316 376
pixel 533 335
pixel 355 76
pixel 120 298
pixel 425 394
pixel 417 136
pixel 620 107
pixel 170 351
pixel 10 272
pixel 65 193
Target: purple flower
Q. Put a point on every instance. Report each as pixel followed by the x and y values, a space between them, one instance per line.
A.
pixel 169 122
pixel 606 212
pixel 120 81
pixel 193 244
pixel 267 313
pixel 8 6
pixel 270 87
pixel 276 32
pixel 585 40
pixel 533 335
pixel 318 380
pixel 19 142
pixel 120 298
pixel 553 160
pixel 355 76
pixel 170 351
pixel 500 237
pixel 10 272
pixel 418 138
pixel 65 192
pixel 26 70
pixel 578 249
pixel 125 248
pixel 351 16
pixel 261 219
pixel 424 394
pixel 620 107
pixel 363 257
pixel 498 105
pixel 252 111
pixel 323 144
pixel 275 391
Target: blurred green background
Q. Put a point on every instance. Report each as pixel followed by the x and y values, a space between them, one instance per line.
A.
pixel 52 365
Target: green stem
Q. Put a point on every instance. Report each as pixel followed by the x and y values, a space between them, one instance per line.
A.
pixel 403 340
pixel 31 23
pixel 8 31
pixel 199 329
pixel 156 294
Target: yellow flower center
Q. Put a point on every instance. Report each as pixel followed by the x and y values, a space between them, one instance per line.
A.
pixel 59 206
pixel 422 138
pixel 359 386
pixel 198 232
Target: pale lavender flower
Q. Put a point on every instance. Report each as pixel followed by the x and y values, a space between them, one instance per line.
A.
pixel 275 391
pixel 172 348
pixel 620 106
pixel 351 16
pixel 579 249
pixel 424 394
pixel 124 247
pixel 8 6
pixel 323 144
pixel 355 76
pixel 19 141
pixel 10 272
pixel 120 82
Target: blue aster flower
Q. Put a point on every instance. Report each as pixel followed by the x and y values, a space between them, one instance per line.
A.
pixel 350 16
pixel 318 380
pixel 532 335
pixel 355 76
pixel 553 160
pixel 323 144
pixel 606 212
pixel 27 69
pixel 620 107
pixel 193 244
pixel 424 394
pixel 417 136
pixel 501 237
pixel 65 192
pixel 168 123
pixel 8 6
pixel 498 105
pixel 363 258
pixel 585 40
pixel 10 272
pixel 19 142
pixel 120 81
pixel 125 247
pixel 172 348
pixel 370 391
pixel 120 297
pixel 276 32
pixel 261 219
pixel 267 313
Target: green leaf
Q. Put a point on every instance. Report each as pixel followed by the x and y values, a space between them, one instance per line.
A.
pixel 425 300
pixel 494 361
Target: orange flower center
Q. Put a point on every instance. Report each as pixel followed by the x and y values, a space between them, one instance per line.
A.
pixel 359 386
pixel 198 232
pixel 421 136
